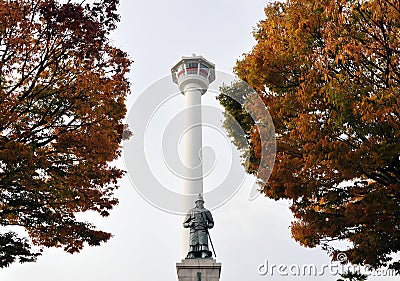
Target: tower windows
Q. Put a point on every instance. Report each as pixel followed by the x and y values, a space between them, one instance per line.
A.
pixel 192 68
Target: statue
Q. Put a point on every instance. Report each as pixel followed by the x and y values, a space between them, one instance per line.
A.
pixel 199 220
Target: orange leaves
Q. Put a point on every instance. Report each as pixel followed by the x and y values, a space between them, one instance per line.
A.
pixel 62 94
pixel 304 235
pixel 329 73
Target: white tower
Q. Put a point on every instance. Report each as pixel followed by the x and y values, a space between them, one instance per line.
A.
pixel 193 75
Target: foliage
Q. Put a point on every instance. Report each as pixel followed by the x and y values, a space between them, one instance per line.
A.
pixel 329 73
pixel 62 94
pixel 234 99
pixel 353 276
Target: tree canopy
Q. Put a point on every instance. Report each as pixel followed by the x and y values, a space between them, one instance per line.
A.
pixel 329 73
pixel 62 100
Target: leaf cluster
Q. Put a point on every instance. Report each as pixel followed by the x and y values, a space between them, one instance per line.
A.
pixel 329 73
pixel 62 101
pixel 353 276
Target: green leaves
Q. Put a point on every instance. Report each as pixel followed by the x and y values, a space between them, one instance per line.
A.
pixel 13 248
pixel 353 276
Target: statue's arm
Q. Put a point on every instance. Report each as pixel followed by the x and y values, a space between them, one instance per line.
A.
pixel 186 222
pixel 210 220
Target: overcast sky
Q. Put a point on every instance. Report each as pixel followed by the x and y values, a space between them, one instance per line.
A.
pixel 147 241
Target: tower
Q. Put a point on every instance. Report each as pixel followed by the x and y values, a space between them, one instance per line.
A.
pixel 193 76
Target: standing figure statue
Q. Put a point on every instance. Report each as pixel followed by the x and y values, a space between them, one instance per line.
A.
pixel 199 220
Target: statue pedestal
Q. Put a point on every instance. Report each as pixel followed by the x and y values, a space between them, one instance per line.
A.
pixel 198 270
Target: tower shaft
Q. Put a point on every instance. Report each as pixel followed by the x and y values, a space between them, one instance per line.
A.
pixel 193 183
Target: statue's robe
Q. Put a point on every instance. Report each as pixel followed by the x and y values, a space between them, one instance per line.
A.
pixel 199 220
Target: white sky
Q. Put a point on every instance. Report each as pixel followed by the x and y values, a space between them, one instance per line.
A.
pixel 147 241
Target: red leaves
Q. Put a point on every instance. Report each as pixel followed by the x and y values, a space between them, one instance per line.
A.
pixel 71 236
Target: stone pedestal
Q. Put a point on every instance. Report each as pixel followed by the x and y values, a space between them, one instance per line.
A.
pixel 198 270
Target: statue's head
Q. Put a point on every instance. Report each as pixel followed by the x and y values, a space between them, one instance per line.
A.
pixel 199 201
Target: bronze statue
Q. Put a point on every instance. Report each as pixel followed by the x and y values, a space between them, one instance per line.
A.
pixel 199 219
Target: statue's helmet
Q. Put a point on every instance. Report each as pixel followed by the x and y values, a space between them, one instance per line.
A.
pixel 199 198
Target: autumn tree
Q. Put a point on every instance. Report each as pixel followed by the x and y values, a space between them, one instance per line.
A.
pixel 62 93
pixel 329 73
